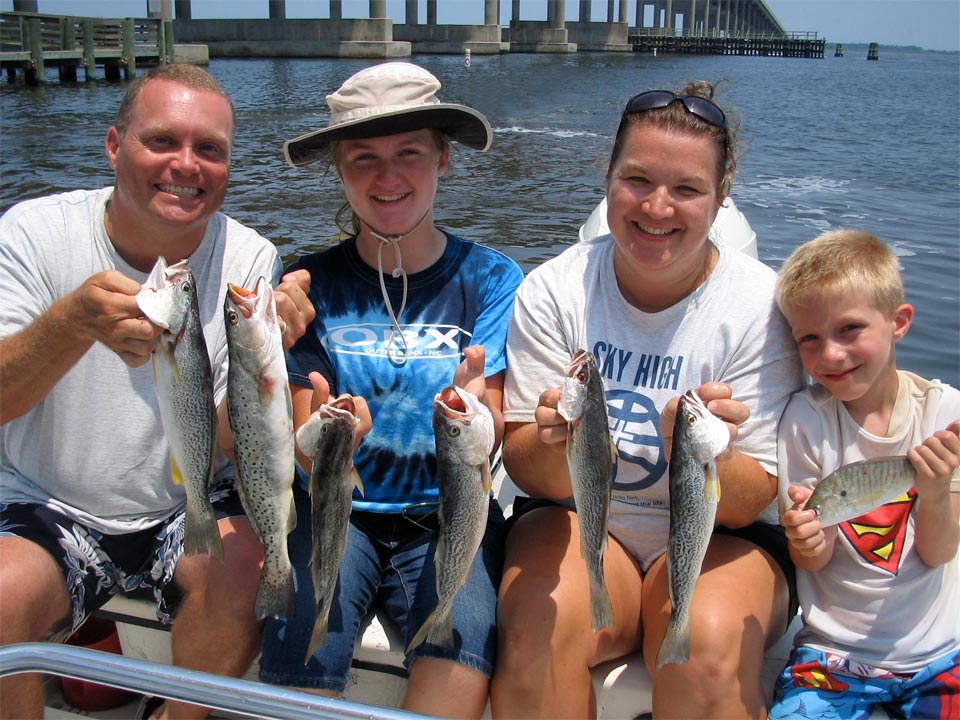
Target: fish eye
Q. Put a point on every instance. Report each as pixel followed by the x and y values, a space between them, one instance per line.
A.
pixel 232 317
pixel 185 286
pixel 324 428
pixel 691 420
pixel 843 493
pixel 582 376
pixel 454 431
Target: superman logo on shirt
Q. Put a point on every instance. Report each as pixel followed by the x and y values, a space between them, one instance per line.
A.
pixel 878 536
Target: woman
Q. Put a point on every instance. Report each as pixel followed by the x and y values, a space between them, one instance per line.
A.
pixel 403 309
pixel 661 308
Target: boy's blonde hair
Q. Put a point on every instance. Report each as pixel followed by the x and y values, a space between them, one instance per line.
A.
pixel 846 261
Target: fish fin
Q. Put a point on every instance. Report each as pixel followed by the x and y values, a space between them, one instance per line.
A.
pixel 485 477
pixel 292 517
pixel 675 648
pixel 176 472
pixel 201 534
pixel 355 479
pixel 711 483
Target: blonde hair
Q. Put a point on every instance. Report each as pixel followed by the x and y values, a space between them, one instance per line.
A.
pixel 843 260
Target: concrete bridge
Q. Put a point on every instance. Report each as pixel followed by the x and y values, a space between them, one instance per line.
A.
pixel 743 27
pixel 379 37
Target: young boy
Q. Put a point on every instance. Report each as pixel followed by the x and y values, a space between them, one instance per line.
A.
pixel 880 593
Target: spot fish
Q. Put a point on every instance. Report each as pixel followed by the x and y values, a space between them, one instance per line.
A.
pixel 590 458
pixel 181 370
pixel 327 437
pixel 858 488
pixel 464 434
pixel 698 437
pixel 261 418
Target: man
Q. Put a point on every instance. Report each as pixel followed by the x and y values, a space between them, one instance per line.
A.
pixel 85 485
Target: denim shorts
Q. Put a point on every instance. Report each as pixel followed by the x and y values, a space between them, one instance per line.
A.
pixel 388 566
pixel 96 566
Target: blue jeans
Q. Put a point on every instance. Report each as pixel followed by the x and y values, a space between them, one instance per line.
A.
pixel 388 565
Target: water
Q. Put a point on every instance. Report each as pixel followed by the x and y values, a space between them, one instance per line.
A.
pixel 827 143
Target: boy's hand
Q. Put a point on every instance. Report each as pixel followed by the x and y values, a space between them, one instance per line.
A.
pixel 808 538
pixel 935 461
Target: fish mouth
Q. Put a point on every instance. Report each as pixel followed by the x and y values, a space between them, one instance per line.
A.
pixel 243 299
pixel 452 404
pixel 579 360
pixel 181 191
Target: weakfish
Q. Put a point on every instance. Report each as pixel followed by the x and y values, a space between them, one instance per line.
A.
pixel 698 437
pixel 261 418
pixel 184 381
pixel 856 489
pixel 464 435
pixel 590 458
pixel 328 437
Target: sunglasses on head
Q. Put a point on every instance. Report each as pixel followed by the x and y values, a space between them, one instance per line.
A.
pixel 701 107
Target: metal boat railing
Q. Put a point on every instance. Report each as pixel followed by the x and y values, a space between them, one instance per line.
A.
pixel 233 695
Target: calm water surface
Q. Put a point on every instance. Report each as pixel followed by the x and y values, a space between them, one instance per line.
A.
pixel 837 142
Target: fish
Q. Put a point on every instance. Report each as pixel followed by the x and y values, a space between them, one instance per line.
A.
pixel 855 489
pixel 699 437
pixel 590 458
pixel 184 382
pixel 464 435
pixel 260 410
pixel 328 438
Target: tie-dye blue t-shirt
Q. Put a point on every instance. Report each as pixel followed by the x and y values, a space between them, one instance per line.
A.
pixel 463 299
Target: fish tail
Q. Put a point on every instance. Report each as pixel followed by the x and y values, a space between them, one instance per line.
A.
pixel 276 596
pixel 201 534
pixel 675 648
pixel 437 630
pixel 318 638
pixel 601 609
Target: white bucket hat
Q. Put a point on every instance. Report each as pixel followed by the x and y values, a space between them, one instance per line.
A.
pixel 388 99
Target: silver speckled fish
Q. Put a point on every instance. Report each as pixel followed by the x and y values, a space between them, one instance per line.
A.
pixel 698 437
pixel 590 454
pixel 261 418
pixel 855 489
pixel 463 429
pixel 184 381
pixel 327 437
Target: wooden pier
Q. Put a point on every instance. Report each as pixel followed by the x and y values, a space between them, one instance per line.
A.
pixel 30 42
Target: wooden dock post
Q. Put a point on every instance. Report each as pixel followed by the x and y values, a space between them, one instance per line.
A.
pixel 34 74
pixel 874 52
pixel 839 52
pixel 68 41
pixel 166 42
pixel 128 57
pixel 89 58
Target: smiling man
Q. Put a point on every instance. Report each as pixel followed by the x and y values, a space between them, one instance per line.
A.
pixel 88 507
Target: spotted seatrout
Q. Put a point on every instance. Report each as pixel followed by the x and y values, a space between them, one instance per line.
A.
pixel 261 418
pixel 327 437
pixel 184 381
pixel 698 437
pixel 590 457
pixel 855 489
pixel 463 429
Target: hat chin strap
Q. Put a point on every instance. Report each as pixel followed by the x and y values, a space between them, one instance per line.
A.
pixel 398 356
